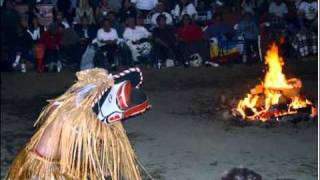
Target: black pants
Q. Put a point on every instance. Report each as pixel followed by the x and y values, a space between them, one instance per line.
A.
pixel 185 50
pixel 110 49
pixel 162 53
pixel 250 45
pixel 72 54
pixel 51 55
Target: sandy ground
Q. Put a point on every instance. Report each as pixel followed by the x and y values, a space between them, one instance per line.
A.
pixel 184 136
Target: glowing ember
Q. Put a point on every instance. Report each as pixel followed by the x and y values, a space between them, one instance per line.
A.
pixel 275 96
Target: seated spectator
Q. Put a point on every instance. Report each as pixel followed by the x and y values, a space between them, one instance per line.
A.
pixel 218 27
pixel 248 6
pixel 191 40
pixel 202 13
pixel 119 27
pixel 69 44
pixel 51 40
pixel 278 9
pixel 84 9
pixel 224 43
pixel 211 12
pixel 61 21
pixel 9 22
pixel 137 40
pixel 184 7
pixel 107 38
pixel 86 33
pixel 145 6
pixel 23 46
pixel 250 32
pixel 164 40
pixel 35 29
pixel 307 13
pixel 127 10
pixel 65 6
pixel 102 10
pixel 160 10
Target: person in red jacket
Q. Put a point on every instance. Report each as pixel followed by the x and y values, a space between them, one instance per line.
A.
pixel 51 42
pixel 191 40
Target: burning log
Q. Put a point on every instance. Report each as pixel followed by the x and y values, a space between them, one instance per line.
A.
pixel 276 96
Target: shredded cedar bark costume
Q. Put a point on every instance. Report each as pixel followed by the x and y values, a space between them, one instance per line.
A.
pixel 88 148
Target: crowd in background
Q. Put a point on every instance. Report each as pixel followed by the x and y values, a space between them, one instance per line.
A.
pixel 154 33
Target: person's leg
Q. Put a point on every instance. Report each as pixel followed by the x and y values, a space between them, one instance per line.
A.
pixel 247 51
pixel 110 49
pixel 184 52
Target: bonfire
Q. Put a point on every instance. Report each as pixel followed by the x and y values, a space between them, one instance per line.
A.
pixel 276 96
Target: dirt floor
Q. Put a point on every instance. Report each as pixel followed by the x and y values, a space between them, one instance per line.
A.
pixel 187 135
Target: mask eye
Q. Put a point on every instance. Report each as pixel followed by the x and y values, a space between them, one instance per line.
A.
pixel 123 95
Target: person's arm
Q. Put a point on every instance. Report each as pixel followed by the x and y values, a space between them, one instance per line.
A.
pixel 154 19
pixel 91 16
pixel 192 11
pixel 285 10
pixel 270 10
pixel 126 34
pixel 169 18
pixel 100 35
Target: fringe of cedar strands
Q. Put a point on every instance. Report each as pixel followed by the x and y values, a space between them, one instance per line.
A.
pixel 88 148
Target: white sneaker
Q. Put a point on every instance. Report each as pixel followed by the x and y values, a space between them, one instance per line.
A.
pixel 212 64
pixel 23 68
pixel 16 61
pixel 59 66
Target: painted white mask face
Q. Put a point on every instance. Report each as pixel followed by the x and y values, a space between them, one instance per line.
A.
pixel 114 102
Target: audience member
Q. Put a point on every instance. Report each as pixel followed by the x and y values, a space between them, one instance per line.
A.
pixel 191 40
pixel 250 33
pixel 160 10
pixel 164 40
pixel 35 29
pixel 51 40
pixel 102 10
pixel 119 27
pixel 107 38
pixel 307 13
pixel 218 27
pixel 202 13
pixel 84 9
pixel 211 12
pixel 249 6
pixel 127 10
pixel 23 46
pixel 184 7
pixel 61 21
pixel 145 6
pixel 137 40
pixel 86 33
pixel 278 8
pixel 65 7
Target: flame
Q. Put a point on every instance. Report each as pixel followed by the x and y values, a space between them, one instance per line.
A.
pixel 274 90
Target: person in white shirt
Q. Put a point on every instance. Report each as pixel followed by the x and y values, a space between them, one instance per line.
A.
pixel 184 7
pixel 145 6
pixel 278 9
pixel 137 39
pixel 161 10
pixel 107 38
pixel 307 13
pixel 35 30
